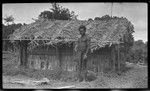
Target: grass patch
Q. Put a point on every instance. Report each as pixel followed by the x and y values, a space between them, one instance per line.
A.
pixel 141 82
pixel 37 74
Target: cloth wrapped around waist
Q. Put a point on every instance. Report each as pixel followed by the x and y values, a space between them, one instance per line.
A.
pixel 81 48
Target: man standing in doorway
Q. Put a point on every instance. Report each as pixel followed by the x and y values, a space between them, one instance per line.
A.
pixel 82 47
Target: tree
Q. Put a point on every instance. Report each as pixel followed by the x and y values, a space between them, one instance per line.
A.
pixel 90 19
pixel 97 18
pixel 57 12
pixel 105 17
pixel 139 52
pixel 6 31
pixel 46 15
pixel 9 19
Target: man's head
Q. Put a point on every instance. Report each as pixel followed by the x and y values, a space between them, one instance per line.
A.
pixel 82 29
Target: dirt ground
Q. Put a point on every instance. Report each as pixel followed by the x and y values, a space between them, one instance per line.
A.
pixel 136 77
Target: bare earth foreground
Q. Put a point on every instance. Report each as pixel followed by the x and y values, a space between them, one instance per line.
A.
pixel 136 77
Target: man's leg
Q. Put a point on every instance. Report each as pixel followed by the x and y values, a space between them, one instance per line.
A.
pixel 80 68
pixel 85 69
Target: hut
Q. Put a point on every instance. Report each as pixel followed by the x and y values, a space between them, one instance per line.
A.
pixel 48 45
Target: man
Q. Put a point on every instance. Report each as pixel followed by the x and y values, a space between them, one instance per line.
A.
pixel 82 47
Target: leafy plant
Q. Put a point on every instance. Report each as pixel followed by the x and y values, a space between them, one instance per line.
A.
pixel 57 12
pixel 9 19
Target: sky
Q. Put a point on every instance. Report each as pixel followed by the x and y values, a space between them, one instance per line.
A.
pixel 137 13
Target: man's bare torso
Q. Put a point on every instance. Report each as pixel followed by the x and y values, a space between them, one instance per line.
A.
pixel 82 43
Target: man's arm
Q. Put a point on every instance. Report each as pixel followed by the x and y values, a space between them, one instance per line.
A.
pixel 76 45
pixel 88 45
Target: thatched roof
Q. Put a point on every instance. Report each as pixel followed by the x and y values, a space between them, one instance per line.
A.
pixel 53 32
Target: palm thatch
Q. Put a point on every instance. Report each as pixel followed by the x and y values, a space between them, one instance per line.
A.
pixel 102 32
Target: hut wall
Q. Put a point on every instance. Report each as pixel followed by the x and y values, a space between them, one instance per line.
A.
pixel 118 57
pixel 46 57
pixel 99 60
pixel 43 57
pixel 66 54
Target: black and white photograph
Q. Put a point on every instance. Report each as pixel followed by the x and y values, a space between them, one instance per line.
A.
pixel 74 45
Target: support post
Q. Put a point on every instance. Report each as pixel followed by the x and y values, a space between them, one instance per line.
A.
pixel 23 54
pixel 59 56
pixel 118 58
pixel 113 55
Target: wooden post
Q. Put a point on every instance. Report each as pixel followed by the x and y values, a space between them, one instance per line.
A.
pixel 47 61
pixel 118 58
pixel 23 54
pixel 58 53
pixel 3 45
pixel 109 59
pixel 98 64
pixel 113 57
pixel 102 67
pixel 125 54
pixel 20 53
pixel 26 55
